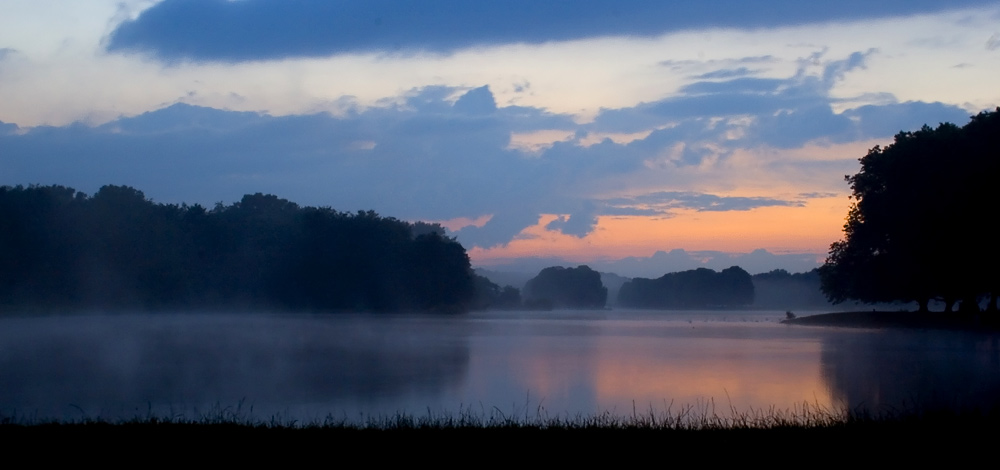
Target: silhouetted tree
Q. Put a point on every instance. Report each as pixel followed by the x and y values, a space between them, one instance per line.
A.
pixel 119 250
pixel 917 201
pixel 561 287
pixel 490 296
pixel 696 288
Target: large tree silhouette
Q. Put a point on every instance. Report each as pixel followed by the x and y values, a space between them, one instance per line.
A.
pixel 919 227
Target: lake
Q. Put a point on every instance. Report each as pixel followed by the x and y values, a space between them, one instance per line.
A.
pixel 526 364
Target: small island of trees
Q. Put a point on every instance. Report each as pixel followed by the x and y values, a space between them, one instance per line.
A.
pixel 559 287
pixel 697 288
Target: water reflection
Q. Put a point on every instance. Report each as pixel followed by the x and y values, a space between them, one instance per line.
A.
pixel 914 370
pixel 118 366
pixel 306 367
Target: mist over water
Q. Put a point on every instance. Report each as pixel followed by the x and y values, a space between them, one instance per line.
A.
pixel 562 363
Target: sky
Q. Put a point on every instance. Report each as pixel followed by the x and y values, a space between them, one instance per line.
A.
pixel 594 132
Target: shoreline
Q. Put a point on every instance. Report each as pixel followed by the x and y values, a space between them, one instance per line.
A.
pixel 983 321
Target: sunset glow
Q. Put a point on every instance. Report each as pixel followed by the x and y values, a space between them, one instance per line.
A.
pixel 718 128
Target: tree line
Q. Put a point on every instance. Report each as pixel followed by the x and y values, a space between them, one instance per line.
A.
pixel 60 248
pixel 559 287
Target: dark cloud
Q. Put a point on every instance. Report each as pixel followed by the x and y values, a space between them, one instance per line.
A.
pixel 7 128
pixel 182 116
pixel 726 73
pixel 501 229
pixel 579 223
pixel 794 127
pixel 665 201
pixel 837 69
pixel 478 101
pixel 736 97
pixel 738 85
pixel 623 211
pixel 889 119
pixel 993 43
pixel 817 195
pixel 224 30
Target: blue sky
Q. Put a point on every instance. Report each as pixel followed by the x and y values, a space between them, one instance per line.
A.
pixel 581 131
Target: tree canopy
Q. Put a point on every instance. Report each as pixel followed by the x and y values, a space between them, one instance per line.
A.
pixel 560 287
pixel 920 224
pixel 118 250
pixel 696 288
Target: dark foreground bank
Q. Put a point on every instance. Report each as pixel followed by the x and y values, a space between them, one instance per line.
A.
pixel 766 435
pixel 884 319
pixel 958 440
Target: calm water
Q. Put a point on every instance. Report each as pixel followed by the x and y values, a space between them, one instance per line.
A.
pixel 308 367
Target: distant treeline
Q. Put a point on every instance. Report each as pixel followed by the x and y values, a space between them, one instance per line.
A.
pixel 697 288
pixel 783 290
pixel 60 248
pixel 582 287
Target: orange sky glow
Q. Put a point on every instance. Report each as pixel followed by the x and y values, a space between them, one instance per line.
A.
pixel 781 229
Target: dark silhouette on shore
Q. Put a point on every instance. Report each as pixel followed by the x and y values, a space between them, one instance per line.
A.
pixel 60 249
pixel 697 288
pixel 918 229
pixel 490 296
pixel 559 287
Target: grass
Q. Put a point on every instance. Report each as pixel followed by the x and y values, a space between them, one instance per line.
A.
pixel 807 435
pixel 687 419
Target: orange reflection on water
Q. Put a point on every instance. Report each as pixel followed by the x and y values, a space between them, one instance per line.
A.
pixel 752 377
pixel 619 374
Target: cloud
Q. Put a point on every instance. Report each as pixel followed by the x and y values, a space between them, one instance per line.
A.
pixel 837 69
pixel 817 195
pixel 784 112
pixel 737 86
pixel 579 223
pixel 477 102
pixel 248 30
pixel 441 153
pixel 665 201
pixel 501 228
pixel 726 73
pixel 890 119
pixel 7 128
pixel 993 43
pixel 734 97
